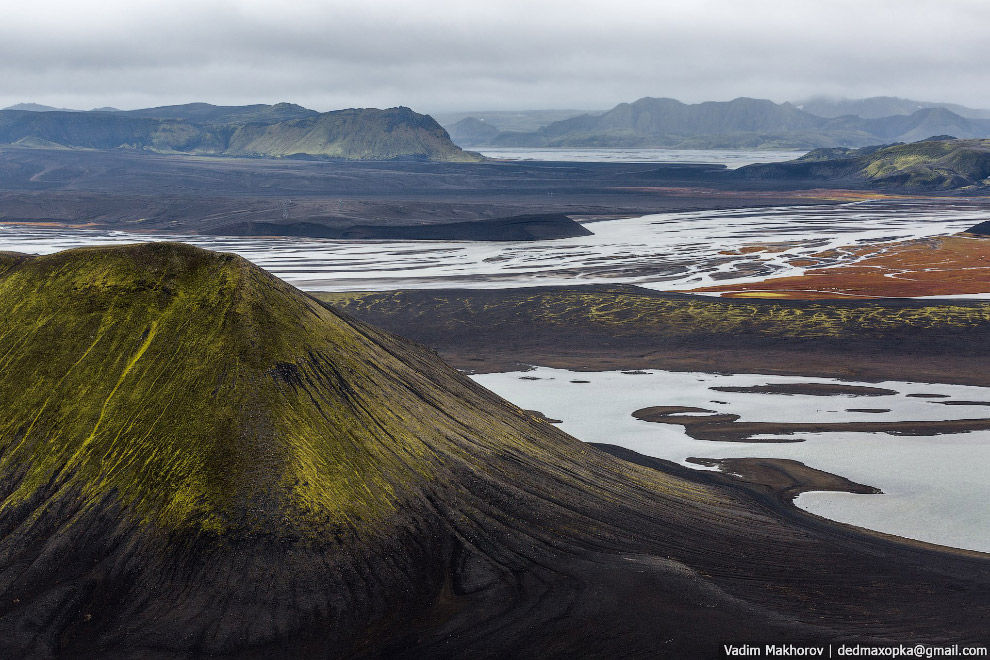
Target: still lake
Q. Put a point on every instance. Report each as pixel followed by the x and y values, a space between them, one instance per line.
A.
pixel 934 488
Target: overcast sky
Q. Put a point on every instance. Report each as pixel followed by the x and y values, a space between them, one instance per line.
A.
pixel 443 55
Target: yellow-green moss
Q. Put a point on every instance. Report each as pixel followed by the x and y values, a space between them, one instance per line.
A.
pixel 931 162
pixel 205 394
pixel 148 372
pixel 625 311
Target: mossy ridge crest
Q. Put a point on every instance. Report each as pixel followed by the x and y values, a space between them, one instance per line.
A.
pixel 628 309
pixel 167 394
pixel 938 164
pixel 209 395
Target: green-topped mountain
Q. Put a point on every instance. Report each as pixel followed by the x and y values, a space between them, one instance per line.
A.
pixel 278 131
pixel 938 163
pixel 198 460
pixel 362 134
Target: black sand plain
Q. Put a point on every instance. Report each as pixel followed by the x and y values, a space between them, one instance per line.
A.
pixel 236 196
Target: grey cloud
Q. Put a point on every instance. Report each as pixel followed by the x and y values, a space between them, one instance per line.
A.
pixel 455 55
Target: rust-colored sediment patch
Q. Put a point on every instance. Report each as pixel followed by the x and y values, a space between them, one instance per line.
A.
pixel 817 194
pixel 946 265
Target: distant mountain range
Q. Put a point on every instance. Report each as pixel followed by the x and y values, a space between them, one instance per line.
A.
pixel 286 130
pixel 741 123
pixel 283 130
pixel 939 163
pixel 880 106
pixel 472 130
pixel 510 120
pixel 206 112
pixel 37 107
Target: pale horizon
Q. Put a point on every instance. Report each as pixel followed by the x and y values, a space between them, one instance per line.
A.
pixel 445 56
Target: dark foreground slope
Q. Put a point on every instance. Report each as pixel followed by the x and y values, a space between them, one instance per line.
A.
pixel 197 460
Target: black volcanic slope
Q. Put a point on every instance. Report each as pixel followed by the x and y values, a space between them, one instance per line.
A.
pixel 981 228
pixel 197 460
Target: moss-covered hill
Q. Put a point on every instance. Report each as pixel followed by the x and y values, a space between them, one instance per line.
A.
pixel 170 377
pixel 259 131
pixel 938 163
pixel 365 134
pixel 197 460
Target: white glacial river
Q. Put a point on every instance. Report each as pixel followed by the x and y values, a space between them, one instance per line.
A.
pixel 668 251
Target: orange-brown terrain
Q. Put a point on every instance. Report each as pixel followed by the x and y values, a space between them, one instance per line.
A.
pixel 817 194
pixel 944 265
